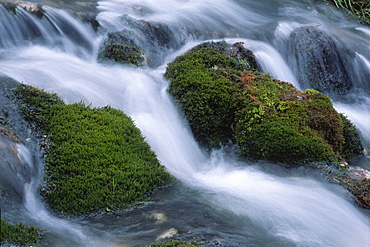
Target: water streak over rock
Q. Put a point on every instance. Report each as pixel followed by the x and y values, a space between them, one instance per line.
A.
pixel 319 62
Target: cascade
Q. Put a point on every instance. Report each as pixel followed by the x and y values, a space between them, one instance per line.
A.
pixel 256 204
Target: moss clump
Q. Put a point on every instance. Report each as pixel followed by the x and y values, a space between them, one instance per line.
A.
pixel 276 122
pixel 98 158
pixel 175 243
pixel 203 91
pixel 123 54
pixel 266 118
pixel 120 49
pixel 18 234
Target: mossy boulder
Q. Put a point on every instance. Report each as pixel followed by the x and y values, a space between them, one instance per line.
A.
pixel 119 48
pixel 200 83
pixel 97 159
pixel 224 100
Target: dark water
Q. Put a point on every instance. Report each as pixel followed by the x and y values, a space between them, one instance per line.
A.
pixel 217 199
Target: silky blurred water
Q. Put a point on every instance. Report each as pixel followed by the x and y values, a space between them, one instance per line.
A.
pixel 217 197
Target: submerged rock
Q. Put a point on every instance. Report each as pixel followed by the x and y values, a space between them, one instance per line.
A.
pixel 89 18
pixel 319 63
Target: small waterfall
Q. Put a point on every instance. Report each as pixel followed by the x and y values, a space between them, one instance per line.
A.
pixel 269 60
pixel 188 20
pixel 56 28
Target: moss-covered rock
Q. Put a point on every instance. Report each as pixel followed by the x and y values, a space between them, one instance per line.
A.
pixel 276 122
pixel 269 119
pixel 203 90
pixel 18 234
pixel 97 158
pixel 119 48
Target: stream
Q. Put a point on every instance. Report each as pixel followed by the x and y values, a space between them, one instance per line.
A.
pixel 217 199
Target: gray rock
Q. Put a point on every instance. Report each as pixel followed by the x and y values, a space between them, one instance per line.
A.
pixel 319 63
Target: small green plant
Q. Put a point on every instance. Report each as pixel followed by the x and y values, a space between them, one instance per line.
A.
pixel 244 63
pixel 18 234
pixel 360 8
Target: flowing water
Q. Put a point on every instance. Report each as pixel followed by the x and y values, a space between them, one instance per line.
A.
pixel 218 198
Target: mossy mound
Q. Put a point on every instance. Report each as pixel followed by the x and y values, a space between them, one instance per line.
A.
pixel 268 119
pixel 18 234
pixel 200 83
pixel 118 48
pixel 97 159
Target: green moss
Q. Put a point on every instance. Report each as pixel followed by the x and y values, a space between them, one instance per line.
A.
pixel 352 141
pixel 266 118
pixel 33 103
pixel 272 140
pixel 175 243
pixel 276 122
pixel 18 234
pixel 203 91
pixel 122 53
pixel 98 158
